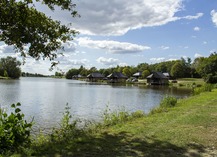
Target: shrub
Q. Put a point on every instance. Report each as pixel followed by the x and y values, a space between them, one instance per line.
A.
pixel 14 130
pixel 168 101
pixel 205 88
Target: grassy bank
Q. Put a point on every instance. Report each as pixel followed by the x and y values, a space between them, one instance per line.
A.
pixel 189 82
pixel 188 129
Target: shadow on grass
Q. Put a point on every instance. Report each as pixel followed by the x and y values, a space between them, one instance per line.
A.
pixel 120 145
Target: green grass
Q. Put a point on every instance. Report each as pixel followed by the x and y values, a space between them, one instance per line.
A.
pixel 189 82
pixel 188 129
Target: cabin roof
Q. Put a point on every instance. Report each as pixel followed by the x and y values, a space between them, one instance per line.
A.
pixel 116 75
pixel 157 75
pixel 95 75
pixel 138 74
pixel 166 74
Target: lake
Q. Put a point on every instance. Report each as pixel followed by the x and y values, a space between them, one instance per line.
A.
pixel 45 98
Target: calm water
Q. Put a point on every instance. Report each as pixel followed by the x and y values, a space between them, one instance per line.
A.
pixel 45 98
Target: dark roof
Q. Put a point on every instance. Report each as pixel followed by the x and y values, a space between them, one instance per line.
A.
pixel 116 75
pixel 157 75
pixel 95 75
pixel 138 74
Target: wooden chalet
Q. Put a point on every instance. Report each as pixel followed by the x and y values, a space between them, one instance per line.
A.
pixel 95 76
pixel 157 78
pixel 116 77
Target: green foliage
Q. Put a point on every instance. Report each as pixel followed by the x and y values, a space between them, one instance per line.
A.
pixel 71 73
pixel 5 73
pixel 177 70
pixel 205 88
pixel 68 129
pixel 168 101
pixel 22 24
pixel 207 68
pixel 10 67
pixel 14 130
pixel 145 73
pixel 119 117
pixel 126 71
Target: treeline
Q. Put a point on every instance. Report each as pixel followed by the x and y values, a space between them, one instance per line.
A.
pixel 205 67
pixel 26 74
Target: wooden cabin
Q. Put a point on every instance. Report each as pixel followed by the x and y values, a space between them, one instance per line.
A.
pixel 95 76
pixel 116 77
pixel 157 78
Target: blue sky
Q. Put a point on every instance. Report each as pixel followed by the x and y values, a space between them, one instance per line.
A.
pixel 120 32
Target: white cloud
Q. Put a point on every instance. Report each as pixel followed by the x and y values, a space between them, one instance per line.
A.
pixel 6 49
pixel 213 50
pixel 205 42
pixel 164 47
pixel 112 17
pixel 193 17
pixel 197 55
pixel 157 59
pixel 123 64
pixel 196 28
pixel 69 46
pixel 214 17
pixel 79 62
pixel 107 61
pixel 172 59
pixel 112 46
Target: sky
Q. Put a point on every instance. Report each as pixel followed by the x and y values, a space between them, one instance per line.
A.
pixel 127 33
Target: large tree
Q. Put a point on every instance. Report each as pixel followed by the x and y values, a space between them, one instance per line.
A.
pixel 207 67
pixel 21 24
pixel 10 67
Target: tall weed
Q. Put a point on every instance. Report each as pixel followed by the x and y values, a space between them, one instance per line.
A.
pixel 166 102
pixel 119 117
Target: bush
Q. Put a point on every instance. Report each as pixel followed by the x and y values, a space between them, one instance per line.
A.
pixel 14 130
pixel 205 88
pixel 168 101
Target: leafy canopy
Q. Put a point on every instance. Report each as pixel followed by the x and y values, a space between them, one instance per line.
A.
pixel 10 67
pixel 21 24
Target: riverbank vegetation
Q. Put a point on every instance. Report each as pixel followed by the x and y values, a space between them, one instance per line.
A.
pixel 183 127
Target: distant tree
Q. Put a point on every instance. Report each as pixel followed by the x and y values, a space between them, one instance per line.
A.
pixel 71 73
pixel 22 24
pixel 10 67
pixel 177 70
pixel 59 74
pixel 145 73
pixel 93 69
pixel 126 71
pixel 143 66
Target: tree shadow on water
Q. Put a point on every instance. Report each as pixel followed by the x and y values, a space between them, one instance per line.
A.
pixel 122 145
